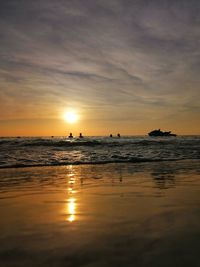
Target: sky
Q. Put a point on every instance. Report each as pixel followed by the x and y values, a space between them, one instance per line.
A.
pixel 127 66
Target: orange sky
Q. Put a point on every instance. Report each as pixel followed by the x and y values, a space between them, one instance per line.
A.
pixel 124 68
pixel 93 128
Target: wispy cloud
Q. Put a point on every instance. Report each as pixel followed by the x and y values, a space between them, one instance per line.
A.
pixel 130 57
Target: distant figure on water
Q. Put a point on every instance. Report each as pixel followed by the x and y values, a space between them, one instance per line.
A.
pixel 70 135
pixel 118 135
pixel 80 135
pixel 110 135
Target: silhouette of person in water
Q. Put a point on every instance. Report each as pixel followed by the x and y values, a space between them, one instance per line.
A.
pixel 70 135
pixel 80 135
pixel 118 135
pixel 110 135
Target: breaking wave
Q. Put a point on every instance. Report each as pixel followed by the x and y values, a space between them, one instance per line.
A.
pixel 30 152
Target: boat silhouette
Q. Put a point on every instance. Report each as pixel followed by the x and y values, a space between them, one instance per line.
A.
pixel 160 133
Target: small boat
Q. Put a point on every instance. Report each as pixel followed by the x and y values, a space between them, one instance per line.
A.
pixel 160 133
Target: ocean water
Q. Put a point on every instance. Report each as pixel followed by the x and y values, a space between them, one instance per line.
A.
pixel 140 209
pixel 45 151
pixel 113 215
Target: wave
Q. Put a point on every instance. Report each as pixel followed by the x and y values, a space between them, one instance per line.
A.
pixel 131 160
pixel 31 152
pixel 63 143
pixel 103 141
pixel 50 143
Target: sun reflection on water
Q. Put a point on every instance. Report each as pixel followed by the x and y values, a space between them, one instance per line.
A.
pixel 71 209
pixel 71 218
pixel 71 201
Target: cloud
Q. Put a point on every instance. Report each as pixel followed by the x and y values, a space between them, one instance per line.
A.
pixel 122 55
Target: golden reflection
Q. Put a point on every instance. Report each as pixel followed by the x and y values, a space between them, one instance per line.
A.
pixel 71 218
pixel 71 201
pixel 71 209
pixel 71 206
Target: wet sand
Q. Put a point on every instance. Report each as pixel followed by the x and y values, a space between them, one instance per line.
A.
pixel 101 215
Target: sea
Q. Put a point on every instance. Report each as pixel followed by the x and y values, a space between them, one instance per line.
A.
pixel 100 201
pixel 57 151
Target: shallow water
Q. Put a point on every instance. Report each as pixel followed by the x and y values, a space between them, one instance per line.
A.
pixel 101 215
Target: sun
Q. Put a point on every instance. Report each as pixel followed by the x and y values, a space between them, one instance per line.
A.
pixel 70 116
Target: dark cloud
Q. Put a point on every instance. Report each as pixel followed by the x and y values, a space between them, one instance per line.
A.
pixel 127 55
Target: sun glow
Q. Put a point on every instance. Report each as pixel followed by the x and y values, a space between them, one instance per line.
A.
pixel 70 116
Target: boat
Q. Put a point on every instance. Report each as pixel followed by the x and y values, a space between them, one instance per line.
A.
pixel 160 133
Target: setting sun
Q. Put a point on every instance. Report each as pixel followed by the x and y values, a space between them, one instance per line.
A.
pixel 70 116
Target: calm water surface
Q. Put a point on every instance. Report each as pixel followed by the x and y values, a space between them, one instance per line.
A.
pixel 144 214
